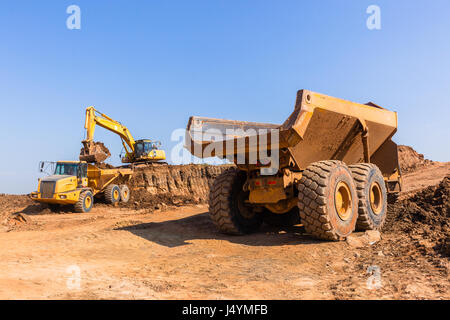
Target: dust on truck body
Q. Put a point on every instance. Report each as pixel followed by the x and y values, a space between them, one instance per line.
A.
pixel 77 183
pixel 331 166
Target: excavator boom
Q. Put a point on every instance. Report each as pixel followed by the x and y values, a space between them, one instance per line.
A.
pixel 97 152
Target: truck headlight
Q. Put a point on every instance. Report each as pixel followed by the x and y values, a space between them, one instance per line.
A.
pixel 63 196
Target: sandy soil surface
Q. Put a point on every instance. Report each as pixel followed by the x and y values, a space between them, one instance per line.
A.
pixel 176 253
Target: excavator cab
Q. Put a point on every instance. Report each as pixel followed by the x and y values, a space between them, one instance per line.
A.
pixel 148 150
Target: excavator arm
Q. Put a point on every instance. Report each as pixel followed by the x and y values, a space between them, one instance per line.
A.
pixel 143 150
pixel 97 152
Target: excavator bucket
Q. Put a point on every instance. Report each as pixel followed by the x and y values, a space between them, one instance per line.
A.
pixel 94 152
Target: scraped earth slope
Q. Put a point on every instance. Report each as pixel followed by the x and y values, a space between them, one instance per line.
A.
pixel 410 160
pixel 172 185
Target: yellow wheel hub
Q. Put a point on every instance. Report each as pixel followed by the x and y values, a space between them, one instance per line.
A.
pixel 125 193
pixel 87 202
pixel 116 194
pixel 376 199
pixel 343 201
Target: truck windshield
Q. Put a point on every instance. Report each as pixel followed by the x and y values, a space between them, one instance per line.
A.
pixel 66 169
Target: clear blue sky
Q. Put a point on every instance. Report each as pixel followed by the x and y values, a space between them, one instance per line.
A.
pixel 152 64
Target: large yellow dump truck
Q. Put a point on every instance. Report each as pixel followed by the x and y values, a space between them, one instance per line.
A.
pixel 77 183
pixel 331 166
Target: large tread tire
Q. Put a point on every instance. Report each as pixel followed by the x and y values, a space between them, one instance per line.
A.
pixel 82 205
pixel 287 219
pixel 54 207
pixel 316 200
pixel 392 197
pixel 124 193
pixel 225 206
pixel 112 194
pixel 364 175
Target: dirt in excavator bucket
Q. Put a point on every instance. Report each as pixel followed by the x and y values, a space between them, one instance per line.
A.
pixel 94 152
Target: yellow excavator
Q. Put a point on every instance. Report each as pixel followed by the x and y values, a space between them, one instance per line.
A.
pixel 136 151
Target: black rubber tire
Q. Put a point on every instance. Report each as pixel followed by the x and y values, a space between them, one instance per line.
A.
pixel 124 193
pixel 111 196
pixel 54 207
pixel 316 200
pixel 392 197
pixel 81 206
pixel 364 175
pixel 225 204
pixel 287 219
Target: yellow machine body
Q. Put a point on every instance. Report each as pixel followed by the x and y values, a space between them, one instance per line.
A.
pixel 320 128
pixel 144 150
pixel 66 188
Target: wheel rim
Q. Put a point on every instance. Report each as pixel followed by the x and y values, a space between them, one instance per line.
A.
pixel 87 202
pixel 125 194
pixel 376 202
pixel 343 201
pixel 116 194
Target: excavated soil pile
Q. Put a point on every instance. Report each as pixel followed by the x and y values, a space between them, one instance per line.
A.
pixel 158 186
pixel 425 217
pixel 11 207
pixel 410 160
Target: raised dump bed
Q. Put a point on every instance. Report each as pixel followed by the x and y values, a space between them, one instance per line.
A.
pixel 332 163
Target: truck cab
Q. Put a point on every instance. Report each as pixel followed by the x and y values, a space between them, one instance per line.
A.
pixel 64 184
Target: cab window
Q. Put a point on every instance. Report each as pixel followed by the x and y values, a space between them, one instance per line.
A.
pixel 70 169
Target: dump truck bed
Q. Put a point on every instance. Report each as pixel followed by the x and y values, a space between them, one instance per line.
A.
pixel 99 178
pixel 320 128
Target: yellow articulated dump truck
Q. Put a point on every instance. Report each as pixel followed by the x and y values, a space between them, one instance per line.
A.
pixel 77 183
pixel 330 166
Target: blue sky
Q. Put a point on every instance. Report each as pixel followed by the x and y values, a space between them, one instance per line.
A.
pixel 152 64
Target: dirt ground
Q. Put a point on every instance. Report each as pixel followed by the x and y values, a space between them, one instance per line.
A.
pixel 174 252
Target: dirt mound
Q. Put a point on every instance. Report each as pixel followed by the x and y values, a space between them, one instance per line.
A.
pixel 11 201
pixel 410 160
pixel 10 210
pixel 158 186
pixel 425 217
pixel 103 165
